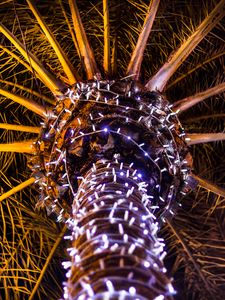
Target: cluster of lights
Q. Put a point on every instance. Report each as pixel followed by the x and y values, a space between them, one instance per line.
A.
pixel 111 160
pixel 115 253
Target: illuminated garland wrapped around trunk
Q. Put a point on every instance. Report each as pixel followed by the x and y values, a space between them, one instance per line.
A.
pixel 111 162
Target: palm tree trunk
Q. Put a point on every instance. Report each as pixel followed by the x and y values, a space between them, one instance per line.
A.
pixel 116 253
pixel 115 153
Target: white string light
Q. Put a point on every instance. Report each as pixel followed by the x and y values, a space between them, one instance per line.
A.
pixel 110 175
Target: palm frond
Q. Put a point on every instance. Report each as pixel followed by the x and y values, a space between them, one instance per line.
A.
pixel 198 138
pixel 28 103
pixel 47 261
pixel 106 63
pixel 28 90
pixel 210 187
pixel 84 47
pixel 182 105
pixel 160 79
pixel 20 147
pixel 67 67
pixel 137 56
pixel 20 128
pixel 200 65
pixel 17 188
pixel 54 85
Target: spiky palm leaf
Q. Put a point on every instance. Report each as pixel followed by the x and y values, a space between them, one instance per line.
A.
pixel 41 54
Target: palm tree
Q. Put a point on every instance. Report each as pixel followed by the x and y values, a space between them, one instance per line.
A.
pixel 93 95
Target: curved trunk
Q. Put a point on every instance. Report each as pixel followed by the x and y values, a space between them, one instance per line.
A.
pixel 116 253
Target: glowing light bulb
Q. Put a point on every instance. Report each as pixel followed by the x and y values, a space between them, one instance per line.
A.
pixel 132 290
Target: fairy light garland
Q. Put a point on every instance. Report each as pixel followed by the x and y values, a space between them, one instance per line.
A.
pixel 111 161
pixel 115 233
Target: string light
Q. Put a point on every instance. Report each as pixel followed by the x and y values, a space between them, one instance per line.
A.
pixel 113 174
